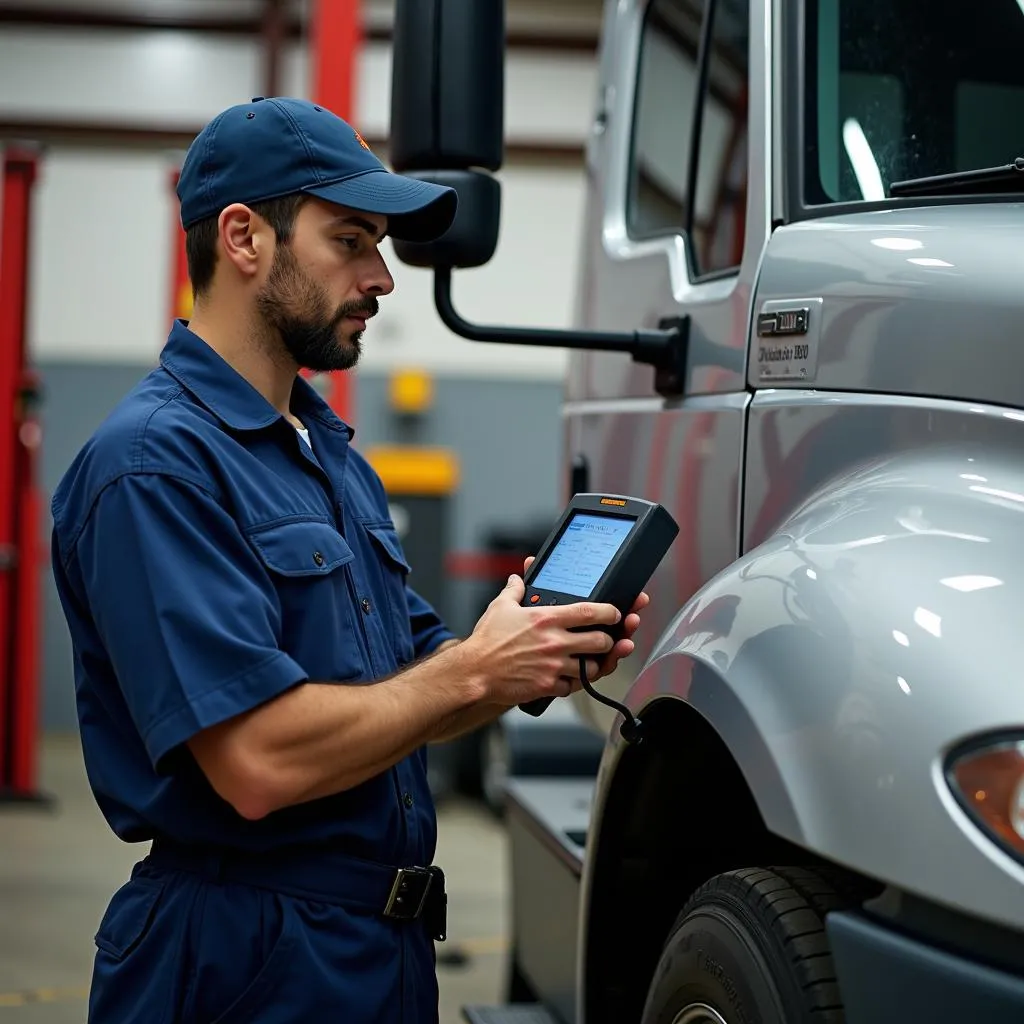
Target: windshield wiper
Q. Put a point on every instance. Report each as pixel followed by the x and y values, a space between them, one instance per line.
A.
pixel 984 181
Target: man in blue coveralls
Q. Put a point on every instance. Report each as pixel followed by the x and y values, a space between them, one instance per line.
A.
pixel 256 681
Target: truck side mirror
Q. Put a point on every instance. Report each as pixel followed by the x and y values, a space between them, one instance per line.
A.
pixel 447 127
pixel 447 118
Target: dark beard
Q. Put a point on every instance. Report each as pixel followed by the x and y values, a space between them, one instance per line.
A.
pixel 298 309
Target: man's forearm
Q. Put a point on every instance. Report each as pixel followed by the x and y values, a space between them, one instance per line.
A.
pixel 447 645
pixel 468 719
pixel 320 738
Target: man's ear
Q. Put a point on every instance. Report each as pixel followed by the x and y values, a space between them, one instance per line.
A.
pixel 242 237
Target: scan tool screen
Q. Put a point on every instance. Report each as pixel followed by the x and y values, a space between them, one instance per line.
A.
pixel 583 552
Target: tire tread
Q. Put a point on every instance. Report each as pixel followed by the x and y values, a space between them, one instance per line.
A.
pixel 793 902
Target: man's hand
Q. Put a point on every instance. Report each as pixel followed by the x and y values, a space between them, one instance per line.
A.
pixel 527 653
pixel 599 668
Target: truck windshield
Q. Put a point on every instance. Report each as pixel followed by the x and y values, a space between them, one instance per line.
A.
pixel 900 89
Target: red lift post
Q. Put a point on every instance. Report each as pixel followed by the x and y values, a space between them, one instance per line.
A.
pixel 21 549
pixel 335 33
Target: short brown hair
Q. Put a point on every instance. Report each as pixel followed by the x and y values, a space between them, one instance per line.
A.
pixel 201 237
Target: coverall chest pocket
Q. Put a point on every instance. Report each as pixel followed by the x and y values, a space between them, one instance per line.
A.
pixel 307 562
pixel 392 571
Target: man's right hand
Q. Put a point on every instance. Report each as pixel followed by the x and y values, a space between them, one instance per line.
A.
pixel 528 653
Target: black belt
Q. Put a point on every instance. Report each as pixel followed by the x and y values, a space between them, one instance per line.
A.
pixel 326 875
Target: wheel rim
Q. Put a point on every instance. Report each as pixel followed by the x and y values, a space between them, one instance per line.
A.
pixel 699 1013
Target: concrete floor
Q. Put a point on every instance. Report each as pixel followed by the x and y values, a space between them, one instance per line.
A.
pixel 58 868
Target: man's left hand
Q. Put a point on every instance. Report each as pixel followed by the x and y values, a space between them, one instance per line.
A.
pixel 623 648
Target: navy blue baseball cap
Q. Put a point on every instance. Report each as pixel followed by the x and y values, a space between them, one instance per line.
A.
pixel 270 148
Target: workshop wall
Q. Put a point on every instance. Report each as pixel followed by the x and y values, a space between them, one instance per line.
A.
pixel 103 243
pixel 103 236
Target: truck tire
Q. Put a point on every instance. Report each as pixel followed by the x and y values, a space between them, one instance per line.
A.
pixel 750 948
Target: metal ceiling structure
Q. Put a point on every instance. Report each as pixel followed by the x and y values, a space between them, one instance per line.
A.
pixel 568 26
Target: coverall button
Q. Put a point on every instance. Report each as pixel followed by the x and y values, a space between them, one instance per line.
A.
pixel 318 558
pixel 366 605
pixel 408 800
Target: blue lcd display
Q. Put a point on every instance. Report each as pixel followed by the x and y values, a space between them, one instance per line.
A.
pixel 582 554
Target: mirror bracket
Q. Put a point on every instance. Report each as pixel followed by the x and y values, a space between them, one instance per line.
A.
pixel 665 349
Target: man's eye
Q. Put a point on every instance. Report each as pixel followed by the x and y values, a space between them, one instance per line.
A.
pixel 351 243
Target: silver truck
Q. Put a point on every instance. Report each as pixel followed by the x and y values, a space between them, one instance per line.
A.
pixel 800 327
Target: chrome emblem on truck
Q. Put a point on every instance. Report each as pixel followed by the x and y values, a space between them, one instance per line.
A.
pixel 785 321
pixel 787 340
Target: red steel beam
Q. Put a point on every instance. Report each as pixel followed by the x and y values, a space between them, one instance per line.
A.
pixel 181 288
pixel 335 36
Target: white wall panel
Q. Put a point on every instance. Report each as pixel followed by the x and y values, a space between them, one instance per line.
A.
pixel 162 78
pixel 100 270
pixel 102 237
pixel 100 265
pixel 530 282
pixel 153 78
pixel 548 96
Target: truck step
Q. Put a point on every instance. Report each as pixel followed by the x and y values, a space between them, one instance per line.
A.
pixel 557 809
pixel 519 1013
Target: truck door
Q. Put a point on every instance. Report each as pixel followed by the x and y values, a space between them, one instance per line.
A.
pixel 676 219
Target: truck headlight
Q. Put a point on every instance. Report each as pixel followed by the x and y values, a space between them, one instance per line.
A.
pixel 988 780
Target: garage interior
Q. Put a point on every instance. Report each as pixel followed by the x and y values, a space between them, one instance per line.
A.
pixel 98 100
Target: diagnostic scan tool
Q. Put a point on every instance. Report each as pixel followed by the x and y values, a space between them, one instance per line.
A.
pixel 604 549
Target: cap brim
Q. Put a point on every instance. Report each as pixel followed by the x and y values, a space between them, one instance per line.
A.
pixel 417 211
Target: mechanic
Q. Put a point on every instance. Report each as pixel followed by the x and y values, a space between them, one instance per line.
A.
pixel 256 681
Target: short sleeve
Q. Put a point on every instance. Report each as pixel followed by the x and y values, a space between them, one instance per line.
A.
pixel 428 631
pixel 186 611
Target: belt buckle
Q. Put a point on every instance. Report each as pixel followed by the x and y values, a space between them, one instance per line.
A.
pixel 408 893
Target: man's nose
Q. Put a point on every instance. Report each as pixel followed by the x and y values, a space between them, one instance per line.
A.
pixel 378 279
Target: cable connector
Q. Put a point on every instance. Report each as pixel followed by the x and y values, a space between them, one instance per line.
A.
pixel 630 729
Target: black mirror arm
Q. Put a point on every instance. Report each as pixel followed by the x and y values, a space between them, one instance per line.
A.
pixel 664 349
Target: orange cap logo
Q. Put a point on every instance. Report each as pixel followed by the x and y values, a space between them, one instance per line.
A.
pixel 360 139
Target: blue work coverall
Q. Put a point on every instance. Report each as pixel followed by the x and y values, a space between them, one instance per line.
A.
pixel 207 561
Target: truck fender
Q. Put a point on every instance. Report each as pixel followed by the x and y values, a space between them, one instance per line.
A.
pixel 843 657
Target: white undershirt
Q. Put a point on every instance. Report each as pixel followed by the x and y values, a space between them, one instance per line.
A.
pixel 304 434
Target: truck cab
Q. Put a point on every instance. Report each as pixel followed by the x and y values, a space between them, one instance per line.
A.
pixel 798 327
